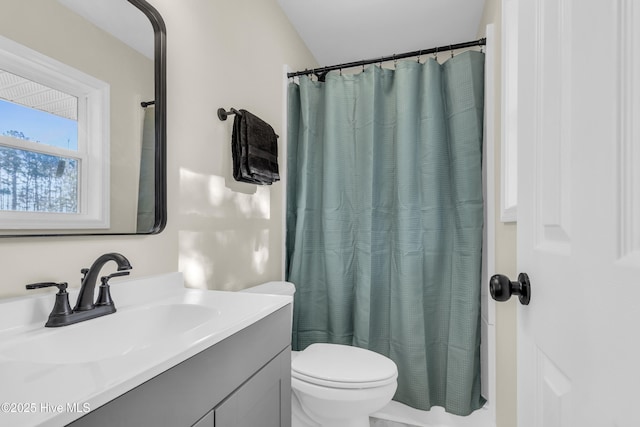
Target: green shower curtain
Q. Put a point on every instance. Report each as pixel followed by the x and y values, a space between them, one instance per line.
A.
pixel 147 179
pixel 385 217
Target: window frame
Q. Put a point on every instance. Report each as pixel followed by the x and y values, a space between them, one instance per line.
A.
pixel 93 140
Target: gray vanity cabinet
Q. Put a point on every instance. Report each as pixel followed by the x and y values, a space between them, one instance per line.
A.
pixel 259 402
pixel 243 381
pixel 207 421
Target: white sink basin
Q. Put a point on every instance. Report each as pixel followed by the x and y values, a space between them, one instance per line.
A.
pixel 114 335
pixel 159 324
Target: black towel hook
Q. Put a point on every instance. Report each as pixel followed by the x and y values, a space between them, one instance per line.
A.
pixel 223 114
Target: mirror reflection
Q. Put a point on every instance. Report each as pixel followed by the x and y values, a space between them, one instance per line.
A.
pixel 77 118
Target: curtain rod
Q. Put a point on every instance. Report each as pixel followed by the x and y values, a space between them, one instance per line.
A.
pixel 322 71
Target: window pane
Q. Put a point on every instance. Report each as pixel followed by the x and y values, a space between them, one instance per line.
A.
pixel 37 112
pixel 37 182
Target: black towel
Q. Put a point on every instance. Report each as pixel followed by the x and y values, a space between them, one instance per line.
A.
pixel 254 147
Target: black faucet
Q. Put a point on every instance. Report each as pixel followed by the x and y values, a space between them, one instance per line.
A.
pixel 87 288
pixel 86 307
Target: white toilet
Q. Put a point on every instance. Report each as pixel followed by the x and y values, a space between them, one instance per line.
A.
pixel 335 385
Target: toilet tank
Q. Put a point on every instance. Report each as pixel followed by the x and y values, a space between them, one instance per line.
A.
pixel 273 288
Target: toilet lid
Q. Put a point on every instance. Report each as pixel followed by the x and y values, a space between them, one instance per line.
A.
pixel 343 366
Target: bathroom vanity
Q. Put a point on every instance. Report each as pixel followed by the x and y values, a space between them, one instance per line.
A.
pixel 169 356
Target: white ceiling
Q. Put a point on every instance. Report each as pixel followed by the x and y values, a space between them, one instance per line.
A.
pixel 338 31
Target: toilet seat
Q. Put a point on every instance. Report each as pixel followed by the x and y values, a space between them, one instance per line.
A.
pixel 342 366
pixel 332 384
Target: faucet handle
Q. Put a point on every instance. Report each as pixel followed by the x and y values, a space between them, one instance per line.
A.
pixel 104 296
pixel 62 286
pixel 105 279
pixel 61 306
pixel 116 274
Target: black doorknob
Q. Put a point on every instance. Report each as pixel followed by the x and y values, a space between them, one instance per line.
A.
pixel 502 288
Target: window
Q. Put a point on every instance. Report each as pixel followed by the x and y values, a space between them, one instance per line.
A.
pixel 54 143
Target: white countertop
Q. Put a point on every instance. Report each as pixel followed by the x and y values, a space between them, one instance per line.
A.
pixel 77 368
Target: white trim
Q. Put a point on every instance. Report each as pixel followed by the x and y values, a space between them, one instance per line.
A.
pixel 282 148
pixel 509 143
pixel 27 145
pixel 93 138
pixel 397 414
pixel 628 106
pixel 488 352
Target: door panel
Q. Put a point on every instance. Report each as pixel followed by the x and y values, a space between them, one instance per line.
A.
pixel 579 212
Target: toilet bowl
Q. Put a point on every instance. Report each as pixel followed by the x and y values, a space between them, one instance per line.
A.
pixel 335 385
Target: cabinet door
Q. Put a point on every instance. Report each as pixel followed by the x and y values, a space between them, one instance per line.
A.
pixel 206 421
pixel 264 400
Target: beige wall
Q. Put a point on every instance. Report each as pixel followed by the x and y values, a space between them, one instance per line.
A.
pixel 222 234
pixel 228 54
pixel 505 242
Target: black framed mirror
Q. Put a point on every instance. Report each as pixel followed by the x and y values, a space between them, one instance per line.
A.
pixel 82 118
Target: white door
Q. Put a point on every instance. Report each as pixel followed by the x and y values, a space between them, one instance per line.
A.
pixel 579 212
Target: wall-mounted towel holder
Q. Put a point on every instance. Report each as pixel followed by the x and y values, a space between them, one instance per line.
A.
pixel 223 114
